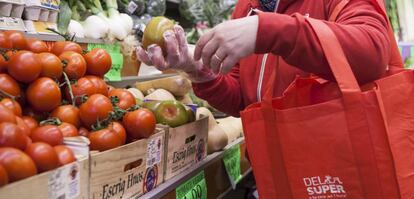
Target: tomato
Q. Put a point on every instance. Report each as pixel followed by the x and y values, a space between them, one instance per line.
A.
pixel 104 139
pixel 139 123
pixel 17 164
pixel 97 107
pixel 68 130
pixel 51 65
pixel 12 136
pixel 67 113
pixel 38 116
pixel 24 66
pixel 36 45
pixel 44 156
pixel 154 31
pixel 30 122
pixel 65 154
pixel 3 64
pixel 4 178
pixel 98 62
pixel 12 105
pixel 126 99
pixel 23 126
pixel 74 64
pixel 9 85
pixel 44 94
pixel 6 115
pixel 83 132
pixel 83 87
pixel 17 38
pixel 100 85
pixel 48 133
pixel 119 130
pixel 5 42
pixel 28 140
pixel 62 46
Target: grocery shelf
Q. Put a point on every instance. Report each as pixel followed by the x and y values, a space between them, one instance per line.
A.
pixel 54 37
pixel 131 80
pixel 174 182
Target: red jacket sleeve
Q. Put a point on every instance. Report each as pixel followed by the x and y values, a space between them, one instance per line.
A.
pixel 360 28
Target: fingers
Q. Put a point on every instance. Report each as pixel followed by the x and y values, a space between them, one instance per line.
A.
pixel 182 40
pixel 228 64
pixel 156 57
pixel 208 51
pixel 171 43
pixel 143 56
pixel 217 60
pixel 201 43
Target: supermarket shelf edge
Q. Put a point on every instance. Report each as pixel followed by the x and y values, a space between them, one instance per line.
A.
pixel 54 37
pixel 172 183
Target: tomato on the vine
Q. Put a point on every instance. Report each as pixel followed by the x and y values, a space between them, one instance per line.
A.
pixel 50 134
pixel 3 64
pixel 17 164
pixel 23 126
pixel 104 139
pixel 44 156
pixel 37 115
pixel 5 42
pixel 126 99
pixel 68 130
pixel 67 113
pixel 44 94
pixel 30 122
pixel 83 132
pixel 9 85
pixel 74 64
pixel 36 45
pixel 24 66
pixel 12 136
pixel 17 39
pixel 6 115
pixel 4 178
pixel 62 46
pixel 51 65
pixel 99 62
pixel 12 105
pixel 100 85
pixel 65 154
pixel 139 123
pixel 82 87
pixel 96 108
pixel 119 130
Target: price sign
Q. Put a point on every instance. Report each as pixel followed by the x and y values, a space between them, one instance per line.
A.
pixel 195 188
pixel 231 161
pixel 114 51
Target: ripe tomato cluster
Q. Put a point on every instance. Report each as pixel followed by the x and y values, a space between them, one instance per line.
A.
pixel 49 92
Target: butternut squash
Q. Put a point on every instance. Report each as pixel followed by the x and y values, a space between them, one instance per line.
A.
pixel 177 85
pixel 217 138
pixel 232 127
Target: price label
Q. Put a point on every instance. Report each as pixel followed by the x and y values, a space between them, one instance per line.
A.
pixel 195 188
pixel 231 161
pixel 114 51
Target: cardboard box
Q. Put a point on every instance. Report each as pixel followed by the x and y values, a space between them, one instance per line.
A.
pixel 128 171
pixel 186 146
pixel 68 181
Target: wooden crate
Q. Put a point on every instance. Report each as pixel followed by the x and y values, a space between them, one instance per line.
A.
pixel 68 181
pixel 186 145
pixel 128 171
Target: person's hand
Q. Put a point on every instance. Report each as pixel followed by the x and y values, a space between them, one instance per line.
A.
pixel 177 53
pixel 223 46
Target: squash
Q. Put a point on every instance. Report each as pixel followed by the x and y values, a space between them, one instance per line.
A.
pixel 177 85
pixel 217 138
pixel 186 99
pixel 160 95
pixel 232 127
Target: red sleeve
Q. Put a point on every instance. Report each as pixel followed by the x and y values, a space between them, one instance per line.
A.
pixel 360 28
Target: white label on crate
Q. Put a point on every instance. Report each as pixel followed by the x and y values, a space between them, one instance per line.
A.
pixel 64 183
pixel 132 6
pixel 154 150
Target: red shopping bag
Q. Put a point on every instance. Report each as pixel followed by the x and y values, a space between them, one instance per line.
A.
pixel 335 140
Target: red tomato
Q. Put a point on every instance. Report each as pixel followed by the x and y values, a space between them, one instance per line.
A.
pixel 48 133
pixel 28 140
pixel 67 113
pixel 51 65
pixel 38 116
pixel 17 164
pixel 68 130
pixel 44 94
pixel 24 66
pixel 100 85
pixel 23 126
pixel 17 39
pixel 4 178
pixel 62 46
pixel 5 42
pixel 3 64
pixel 30 122
pixel 139 123
pixel 126 99
pixel 97 107
pixel 44 156
pixel 119 130
pixel 9 85
pixel 65 154
pixel 12 105
pixel 6 115
pixel 83 87
pixel 36 45
pixel 12 136
pixel 104 139
pixel 74 64
pixel 83 132
pixel 98 62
